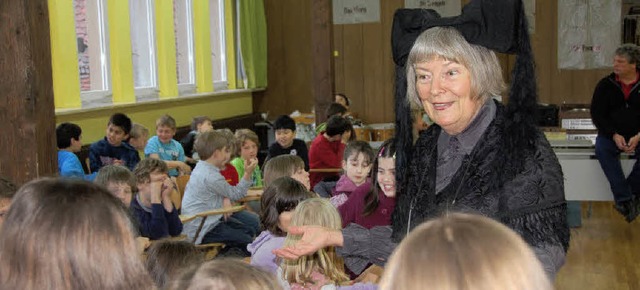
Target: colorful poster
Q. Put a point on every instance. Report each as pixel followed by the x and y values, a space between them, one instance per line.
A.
pixel 588 33
pixel 356 11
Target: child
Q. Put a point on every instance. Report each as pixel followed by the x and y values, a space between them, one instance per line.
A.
pixel 286 143
pixel 334 109
pixel 356 166
pixel 7 191
pixel 278 201
pixel 286 165
pixel 152 206
pixel 248 144
pixel 163 147
pixel 112 149
pixel 226 274
pixel 323 269
pixel 138 136
pixel 342 100
pixel 166 260
pixel 206 190
pixel 373 206
pixel 463 251
pixel 198 125
pixel 229 171
pixel 119 181
pixel 68 137
pixel 327 149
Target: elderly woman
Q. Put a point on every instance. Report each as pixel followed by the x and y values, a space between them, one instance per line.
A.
pixel 479 157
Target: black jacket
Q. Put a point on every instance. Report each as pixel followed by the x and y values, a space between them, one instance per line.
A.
pixel 611 113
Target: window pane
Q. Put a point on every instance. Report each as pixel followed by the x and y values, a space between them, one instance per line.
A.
pixel 184 41
pixel 218 44
pixel 93 62
pixel 142 43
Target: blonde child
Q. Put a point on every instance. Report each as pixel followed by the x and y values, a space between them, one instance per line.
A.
pixel 278 201
pixel 206 190
pixel 463 251
pixel 153 208
pixel 373 207
pixel 227 274
pixel 323 269
pixel 138 136
pixel 118 180
pixel 356 165
pixel 163 147
pixel 248 145
pixel 286 165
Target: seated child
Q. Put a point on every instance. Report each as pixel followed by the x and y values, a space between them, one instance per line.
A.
pixel 69 138
pixel 229 171
pixel 356 165
pixel 7 191
pixel 112 149
pixel 372 206
pixel 198 125
pixel 342 100
pixel 278 201
pixel 286 143
pixel 138 136
pixel 327 149
pixel 248 144
pixel 166 260
pixel 152 206
pixel 334 109
pixel 286 165
pixel 163 147
pixel 206 190
pixel 119 181
pixel 226 274
pixel 323 269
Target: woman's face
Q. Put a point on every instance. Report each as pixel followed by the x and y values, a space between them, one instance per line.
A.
pixel 444 88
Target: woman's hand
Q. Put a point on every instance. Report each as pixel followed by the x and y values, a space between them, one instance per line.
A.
pixel 313 239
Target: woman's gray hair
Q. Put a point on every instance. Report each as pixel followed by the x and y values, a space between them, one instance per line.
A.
pixel 447 43
pixel 629 51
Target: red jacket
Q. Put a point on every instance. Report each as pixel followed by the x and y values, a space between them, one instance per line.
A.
pixel 324 154
pixel 230 174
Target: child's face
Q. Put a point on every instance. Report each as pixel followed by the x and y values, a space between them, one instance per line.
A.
pixel 115 135
pixel 140 142
pixel 122 191
pixel 248 150
pixel 144 189
pixel 302 176
pixel 165 133
pixel 357 168
pixel 205 126
pixel 387 176
pixel 284 137
pixel 221 156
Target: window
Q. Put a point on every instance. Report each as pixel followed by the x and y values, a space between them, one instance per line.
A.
pixel 93 57
pixel 218 44
pixel 143 50
pixel 183 25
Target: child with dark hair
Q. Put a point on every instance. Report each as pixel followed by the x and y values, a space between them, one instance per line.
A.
pixel 286 143
pixel 278 201
pixel 327 149
pixel 198 125
pixel 167 260
pixel 68 139
pixel 113 149
pixel 334 109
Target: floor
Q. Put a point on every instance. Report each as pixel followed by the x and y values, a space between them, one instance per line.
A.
pixel 604 252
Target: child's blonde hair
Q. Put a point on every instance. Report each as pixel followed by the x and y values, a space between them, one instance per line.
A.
pixel 208 142
pixel 464 251
pixel 316 212
pixel 138 131
pixel 281 165
pixel 242 135
pixel 167 121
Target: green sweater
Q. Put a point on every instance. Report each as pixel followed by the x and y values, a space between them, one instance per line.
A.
pixel 256 177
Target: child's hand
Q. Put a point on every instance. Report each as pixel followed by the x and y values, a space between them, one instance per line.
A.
pixel 226 203
pixel 370 275
pixel 167 188
pixel 184 168
pixel 250 165
pixel 155 186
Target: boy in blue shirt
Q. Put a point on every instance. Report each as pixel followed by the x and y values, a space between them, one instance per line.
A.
pixel 113 150
pixel 68 139
pixel 163 147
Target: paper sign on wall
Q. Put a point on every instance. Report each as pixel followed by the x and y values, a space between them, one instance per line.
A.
pixel 446 8
pixel 588 33
pixel 356 11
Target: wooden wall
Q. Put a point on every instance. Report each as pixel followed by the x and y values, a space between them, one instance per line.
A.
pixel 363 65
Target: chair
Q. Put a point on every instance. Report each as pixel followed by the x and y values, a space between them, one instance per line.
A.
pixel 181 182
pixel 211 249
